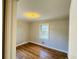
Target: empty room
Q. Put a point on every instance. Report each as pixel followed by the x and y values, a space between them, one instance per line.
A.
pixel 42 30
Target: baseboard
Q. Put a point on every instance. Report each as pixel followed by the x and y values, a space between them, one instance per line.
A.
pixel 42 45
pixel 22 43
pixel 49 47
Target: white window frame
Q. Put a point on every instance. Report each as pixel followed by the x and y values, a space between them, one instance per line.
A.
pixel 40 31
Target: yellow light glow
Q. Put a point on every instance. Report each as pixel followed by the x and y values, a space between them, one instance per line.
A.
pixel 32 15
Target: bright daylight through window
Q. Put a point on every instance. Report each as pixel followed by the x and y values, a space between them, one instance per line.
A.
pixel 44 31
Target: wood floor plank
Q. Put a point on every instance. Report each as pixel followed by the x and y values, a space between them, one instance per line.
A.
pixel 33 51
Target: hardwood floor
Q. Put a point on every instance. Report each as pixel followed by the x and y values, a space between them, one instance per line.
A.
pixel 33 51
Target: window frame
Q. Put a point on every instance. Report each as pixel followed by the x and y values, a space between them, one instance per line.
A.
pixel 40 30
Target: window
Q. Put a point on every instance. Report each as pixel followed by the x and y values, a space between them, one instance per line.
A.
pixel 44 31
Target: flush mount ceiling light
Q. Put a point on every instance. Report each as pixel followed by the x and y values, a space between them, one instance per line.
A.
pixel 32 15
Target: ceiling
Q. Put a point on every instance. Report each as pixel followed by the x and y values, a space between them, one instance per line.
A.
pixel 48 9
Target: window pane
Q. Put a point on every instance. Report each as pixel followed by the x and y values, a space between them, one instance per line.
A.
pixel 44 31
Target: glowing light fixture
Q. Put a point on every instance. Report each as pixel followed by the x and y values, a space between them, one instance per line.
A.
pixel 32 15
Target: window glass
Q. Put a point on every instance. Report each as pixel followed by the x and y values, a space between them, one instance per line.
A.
pixel 44 31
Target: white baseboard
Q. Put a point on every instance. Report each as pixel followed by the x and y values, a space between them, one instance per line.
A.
pixel 22 43
pixel 49 47
pixel 41 45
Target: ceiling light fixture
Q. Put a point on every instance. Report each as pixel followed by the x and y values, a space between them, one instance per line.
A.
pixel 32 15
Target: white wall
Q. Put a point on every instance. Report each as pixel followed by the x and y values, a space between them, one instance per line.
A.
pixel 59 30
pixel 73 31
pixel 22 32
